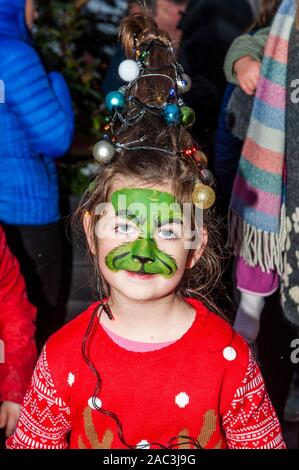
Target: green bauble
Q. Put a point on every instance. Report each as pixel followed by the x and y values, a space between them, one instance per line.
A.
pixel 187 116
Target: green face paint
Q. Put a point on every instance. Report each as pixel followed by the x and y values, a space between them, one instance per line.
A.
pixel 148 209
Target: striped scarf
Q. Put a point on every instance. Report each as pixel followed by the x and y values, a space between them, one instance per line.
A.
pixel 257 208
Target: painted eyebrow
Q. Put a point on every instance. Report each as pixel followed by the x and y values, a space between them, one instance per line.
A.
pixel 130 216
pixel 171 220
pixel 141 220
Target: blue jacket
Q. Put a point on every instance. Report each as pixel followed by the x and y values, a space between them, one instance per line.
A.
pixel 36 125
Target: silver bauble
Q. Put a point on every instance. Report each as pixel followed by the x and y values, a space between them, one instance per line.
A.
pixel 103 151
pixel 184 83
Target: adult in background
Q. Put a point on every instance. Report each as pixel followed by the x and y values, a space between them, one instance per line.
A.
pixel 208 28
pixel 36 122
pixel 166 14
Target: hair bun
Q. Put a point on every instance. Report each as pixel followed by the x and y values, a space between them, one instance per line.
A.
pixel 137 29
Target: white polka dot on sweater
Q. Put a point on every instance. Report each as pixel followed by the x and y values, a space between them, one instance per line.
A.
pixel 182 399
pixel 71 379
pixel 229 353
pixel 144 444
pixel 97 401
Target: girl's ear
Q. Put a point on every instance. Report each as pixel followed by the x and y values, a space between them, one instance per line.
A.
pixel 196 253
pixel 88 232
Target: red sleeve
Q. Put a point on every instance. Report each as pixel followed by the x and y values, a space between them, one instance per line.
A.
pixel 251 422
pixel 44 421
pixel 17 328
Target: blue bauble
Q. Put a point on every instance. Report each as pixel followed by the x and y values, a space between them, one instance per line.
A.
pixel 115 100
pixel 172 114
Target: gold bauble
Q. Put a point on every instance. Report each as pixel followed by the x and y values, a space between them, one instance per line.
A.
pixel 203 196
pixel 201 158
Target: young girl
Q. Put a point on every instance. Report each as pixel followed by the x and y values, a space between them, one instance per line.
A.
pixel 148 365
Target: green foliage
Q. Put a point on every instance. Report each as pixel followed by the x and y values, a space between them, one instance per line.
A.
pixel 70 41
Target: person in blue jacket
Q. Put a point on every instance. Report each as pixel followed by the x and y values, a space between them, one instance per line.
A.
pixel 36 127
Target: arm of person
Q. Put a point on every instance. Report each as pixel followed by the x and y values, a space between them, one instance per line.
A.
pixel 247 45
pixel 42 399
pixel 9 415
pixel 41 102
pixel 17 330
pixel 250 422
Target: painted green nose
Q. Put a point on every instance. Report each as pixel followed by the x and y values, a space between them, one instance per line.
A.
pixel 143 250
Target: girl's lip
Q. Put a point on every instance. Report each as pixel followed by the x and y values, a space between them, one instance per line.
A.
pixel 139 275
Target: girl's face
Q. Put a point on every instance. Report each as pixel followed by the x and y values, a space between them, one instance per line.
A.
pixel 31 13
pixel 143 241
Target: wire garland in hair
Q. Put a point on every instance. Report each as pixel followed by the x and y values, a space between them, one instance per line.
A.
pixel 85 349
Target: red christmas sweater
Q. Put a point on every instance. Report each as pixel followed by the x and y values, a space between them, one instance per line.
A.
pixel 206 386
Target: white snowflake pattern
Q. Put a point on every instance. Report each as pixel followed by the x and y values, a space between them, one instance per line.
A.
pixel 182 399
pixel 71 379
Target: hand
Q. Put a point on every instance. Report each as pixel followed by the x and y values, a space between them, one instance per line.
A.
pixel 248 72
pixel 9 415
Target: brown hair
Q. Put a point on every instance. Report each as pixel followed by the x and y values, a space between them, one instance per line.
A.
pixel 153 166
pixel 268 10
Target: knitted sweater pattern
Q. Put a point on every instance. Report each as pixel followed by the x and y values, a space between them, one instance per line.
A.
pixel 206 386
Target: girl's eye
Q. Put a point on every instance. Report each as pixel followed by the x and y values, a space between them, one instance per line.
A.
pixel 125 229
pixel 167 234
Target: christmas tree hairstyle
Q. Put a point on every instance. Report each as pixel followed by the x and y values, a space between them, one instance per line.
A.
pixel 149 142
pixel 144 145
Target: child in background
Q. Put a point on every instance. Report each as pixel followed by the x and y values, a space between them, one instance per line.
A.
pixel 131 371
pixel 243 60
pixel 242 69
pixel 264 204
pixel 18 351
pixel 259 187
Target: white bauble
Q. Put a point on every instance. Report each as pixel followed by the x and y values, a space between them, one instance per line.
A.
pixel 128 70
